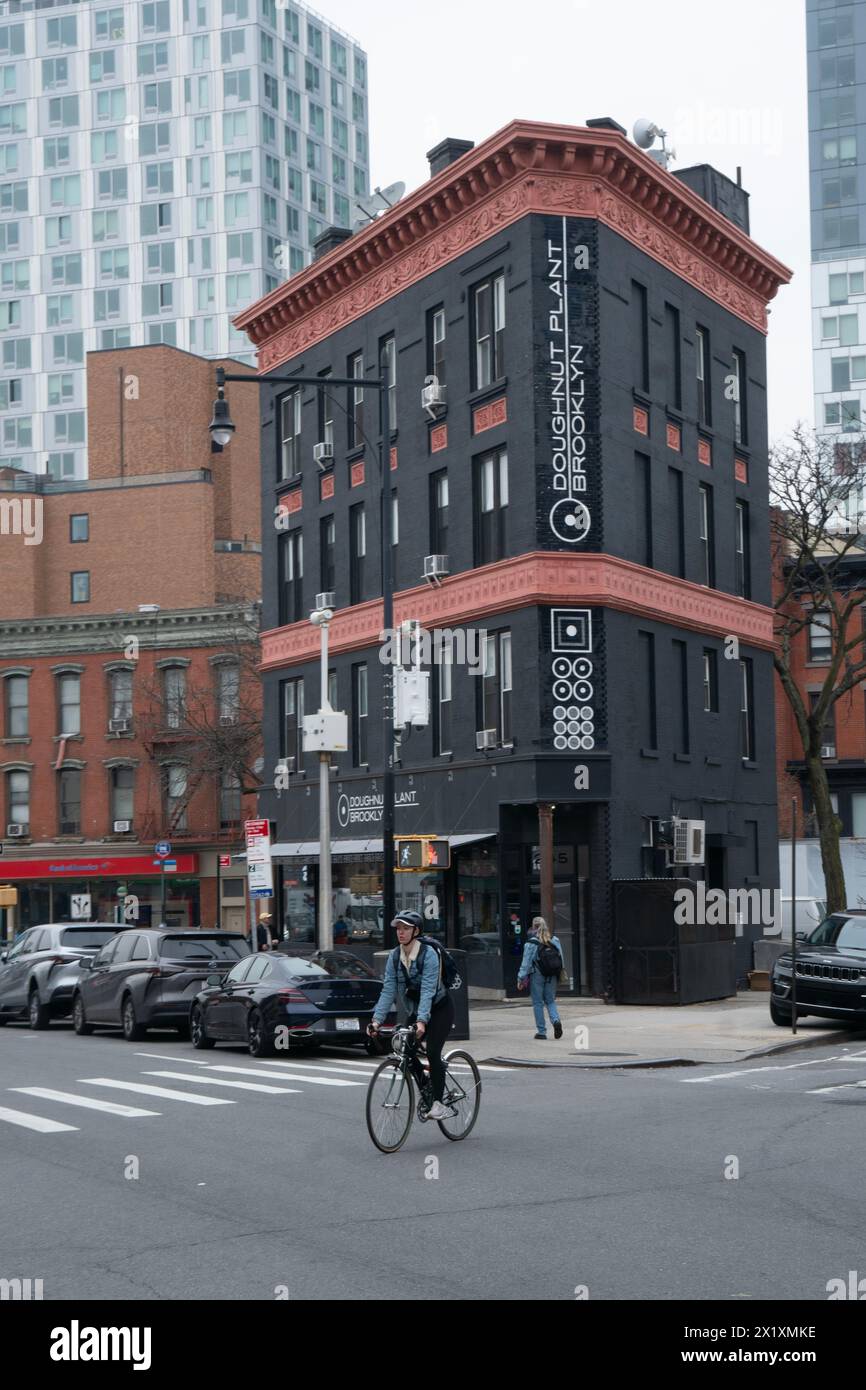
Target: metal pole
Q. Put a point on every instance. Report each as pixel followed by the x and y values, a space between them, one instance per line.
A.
pixel 388 897
pixel 219 891
pixel 326 927
pixel 793 914
pixel 162 894
pixel 545 867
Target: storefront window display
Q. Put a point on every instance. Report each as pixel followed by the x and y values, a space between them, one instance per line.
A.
pixel 478 931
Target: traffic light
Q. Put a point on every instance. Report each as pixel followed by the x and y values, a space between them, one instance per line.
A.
pixel 408 854
pixel 437 854
pixel 415 852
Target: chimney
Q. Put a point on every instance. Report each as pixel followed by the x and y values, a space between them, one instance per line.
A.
pixel 448 152
pixel 605 123
pixel 331 238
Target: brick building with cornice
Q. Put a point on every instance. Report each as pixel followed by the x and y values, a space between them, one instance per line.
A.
pixel 594 478
pixel 129 615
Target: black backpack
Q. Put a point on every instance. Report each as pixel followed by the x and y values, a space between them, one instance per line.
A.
pixel 449 975
pixel 548 960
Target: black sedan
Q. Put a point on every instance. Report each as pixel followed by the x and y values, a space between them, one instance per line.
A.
pixel 277 1001
pixel 39 973
pixel 831 973
pixel 147 978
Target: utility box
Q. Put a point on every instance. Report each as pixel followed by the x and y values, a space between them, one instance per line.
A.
pixel 326 732
pixel 411 699
pixel 659 958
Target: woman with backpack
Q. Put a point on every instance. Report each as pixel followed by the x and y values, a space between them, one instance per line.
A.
pixel 414 969
pixel 542 965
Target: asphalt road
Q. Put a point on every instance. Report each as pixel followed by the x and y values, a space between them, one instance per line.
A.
pixel 612 1180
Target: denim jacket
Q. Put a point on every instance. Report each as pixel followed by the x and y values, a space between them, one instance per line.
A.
pixel 530 952
pixel 395 980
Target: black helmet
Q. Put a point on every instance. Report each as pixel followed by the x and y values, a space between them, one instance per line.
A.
pixel 409 919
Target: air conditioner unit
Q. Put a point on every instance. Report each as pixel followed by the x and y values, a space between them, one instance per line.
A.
pixel 323 455
pixel 287 764
pixel 325 601
pixel 485 738
pixel 16 830
pixel 828 750
pixel 689 841
pixel 118 726
pixel 122 827
pixel 433 396
pixel 435 566
pixel 227 719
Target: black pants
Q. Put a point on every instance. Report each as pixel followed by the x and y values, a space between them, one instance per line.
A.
pixel 435 1037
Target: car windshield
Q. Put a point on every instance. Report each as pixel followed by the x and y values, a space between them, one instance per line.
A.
pixel 301 968
pixel 845 933
pixel 204 948
pixel 86 938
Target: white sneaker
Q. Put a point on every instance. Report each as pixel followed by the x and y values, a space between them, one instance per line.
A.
pixel 437 1111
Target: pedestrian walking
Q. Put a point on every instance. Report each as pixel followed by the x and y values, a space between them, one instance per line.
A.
pixel 263 932
pixel 541 967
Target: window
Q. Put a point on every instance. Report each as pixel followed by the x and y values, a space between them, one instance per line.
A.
pixel 69 703
pixel 239 167
pixel 61 391
pixel 327 554
pixel 357 553
pixel 326 414
pixel 237 208
pixel 681 676
pixel 234 42
pixel 312 77
pixel 360 750
pixel 111 185
pixel 120 706
pixel 442 686
pixel 290 417
pixel 488 328
pixel 702 340
pixel 14 275
pixel 16 353
pixel 840 374
pixel 836 29
pixel 63 111
pixel 106 305
pixel 69 798
pixel 104 146
pixel 707 539
pixel 18 798
pixel 56 152
pixel 236 87
pixel 318 197
pixel 58 309
pixel 17 434
pixel 291 548
pixel 55 73
pixel 160 258
pixel 80 586
pixel 821 635
pixel 11 39
pixel 356 401
pixel 228 691
pixel 106 225
pixel 67 349
pixel 13 197
pixel 491 504
pixel 159 178
pixel 156 217
pixel 10 236
pixel 10 392
pixel 157 98
pixel 17 708
pixel 174 696
pixel 114 265
pixel 743 575
pixel 747 711
pixel 65 190
pixel 205 292
pixel 122 794
pixel 103 65
pixel 203 213
pixel 439 513
pixel 13 118
pixel 436 344
pixel 111 105
pixel 642 553
pixel 388 360
pixel 60 466
pixel 230 799
pixel 61 33
pixel 175 792
pixel 711 680
pixel 494 697
pixel 153 58
pixel 640 336
pixel 741 433
pixel 156 17
pixel 293 722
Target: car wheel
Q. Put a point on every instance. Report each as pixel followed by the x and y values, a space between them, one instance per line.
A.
pixel 79 1020
pixel 781 1017
pixel 38 1014
pixel 132 1029
pixel 259 1043
pixel 197 1030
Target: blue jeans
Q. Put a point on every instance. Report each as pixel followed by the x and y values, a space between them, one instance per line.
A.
pixel 543 991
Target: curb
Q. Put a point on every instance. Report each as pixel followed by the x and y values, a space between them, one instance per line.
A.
pixel 657 1063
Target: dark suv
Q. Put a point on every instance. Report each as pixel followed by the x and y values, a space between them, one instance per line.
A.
pixel 39 973
pixel 148 979
pixel 831 972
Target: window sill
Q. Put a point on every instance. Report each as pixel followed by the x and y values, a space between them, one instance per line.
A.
pixel 353 455
pixel 487 393
pixel 642 397
pixel 70 738
pixel 289 484
pixel 749 765
pixel 713 762
pixel 682 757
pixel 649 753
pixel 9 742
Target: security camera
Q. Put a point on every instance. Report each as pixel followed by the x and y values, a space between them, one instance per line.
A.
pixel 321 615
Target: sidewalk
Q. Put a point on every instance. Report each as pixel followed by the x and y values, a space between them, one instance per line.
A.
pixel 729 1030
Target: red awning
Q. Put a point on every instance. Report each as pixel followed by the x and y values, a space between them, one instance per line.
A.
pixel 96 866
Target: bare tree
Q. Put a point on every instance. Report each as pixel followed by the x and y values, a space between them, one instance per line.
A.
pixel 819 563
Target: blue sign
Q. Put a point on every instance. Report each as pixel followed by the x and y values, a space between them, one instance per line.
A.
pixel 162 850
pixel 261 893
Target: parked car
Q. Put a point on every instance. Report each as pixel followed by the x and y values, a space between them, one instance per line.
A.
pixel 831 972
pixel 316 997
pixel 146 979
pixel 38 974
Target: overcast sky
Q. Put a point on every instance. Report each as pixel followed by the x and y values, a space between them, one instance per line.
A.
pixel 727 82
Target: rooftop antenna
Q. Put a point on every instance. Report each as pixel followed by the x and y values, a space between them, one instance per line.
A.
pixel 645 133
pixel 381 200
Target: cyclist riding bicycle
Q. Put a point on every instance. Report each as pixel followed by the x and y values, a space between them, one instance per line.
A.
pixel 413 970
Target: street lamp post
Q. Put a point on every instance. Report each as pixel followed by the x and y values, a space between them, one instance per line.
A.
pixel 321 619
pixel 222 430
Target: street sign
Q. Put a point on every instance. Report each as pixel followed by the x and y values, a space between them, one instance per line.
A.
pixel 260 876
pixel 169 866
pixel 162 850
pixel 121 890
pixel 81 907
pixel 225 861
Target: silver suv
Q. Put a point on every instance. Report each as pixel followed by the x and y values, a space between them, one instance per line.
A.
pixel 39 973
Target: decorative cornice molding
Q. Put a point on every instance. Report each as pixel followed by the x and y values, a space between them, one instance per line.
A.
pixel 177 628
pixel 542 578
pixel 524 168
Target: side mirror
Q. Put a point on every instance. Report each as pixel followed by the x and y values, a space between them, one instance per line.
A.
pixel 4 956
pixel 800 935
pixel 86 963
pixel 213 981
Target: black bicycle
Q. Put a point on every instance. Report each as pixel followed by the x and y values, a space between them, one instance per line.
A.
pixel 391 1093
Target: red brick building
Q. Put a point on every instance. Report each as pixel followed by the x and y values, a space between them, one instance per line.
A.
pixel 129 699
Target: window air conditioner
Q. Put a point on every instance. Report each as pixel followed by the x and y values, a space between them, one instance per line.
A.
pixel 435 566
pixel 433 396
pixel 16 830
pixel 485 738
pixel 118 726
pixel 122 827
pixel 323 455
pixel 689 841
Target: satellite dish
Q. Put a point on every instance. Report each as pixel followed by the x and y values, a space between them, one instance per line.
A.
pixel 646 133
pixel 381 200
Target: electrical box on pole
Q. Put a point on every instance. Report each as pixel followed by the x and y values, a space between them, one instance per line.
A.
pixel 411 699
pixel 326 731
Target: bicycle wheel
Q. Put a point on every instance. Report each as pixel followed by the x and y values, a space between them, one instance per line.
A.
pixel 462 1095
pixel 390 1106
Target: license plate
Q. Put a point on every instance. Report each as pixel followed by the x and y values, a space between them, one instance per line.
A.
pixel 348 1025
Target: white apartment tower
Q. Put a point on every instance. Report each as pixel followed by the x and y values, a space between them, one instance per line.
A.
pixel 163 163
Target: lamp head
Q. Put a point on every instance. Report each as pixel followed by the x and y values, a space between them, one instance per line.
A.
pixel 221 426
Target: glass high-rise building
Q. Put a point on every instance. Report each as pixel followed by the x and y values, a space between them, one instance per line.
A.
pixel 836 45
pixel 163 163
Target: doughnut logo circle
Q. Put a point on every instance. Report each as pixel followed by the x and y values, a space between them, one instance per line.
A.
pixel 570 520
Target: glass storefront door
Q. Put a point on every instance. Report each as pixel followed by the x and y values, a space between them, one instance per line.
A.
pixel 564 926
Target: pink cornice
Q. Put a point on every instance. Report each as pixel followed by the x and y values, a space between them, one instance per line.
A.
pixel 524 168
pixel 541 578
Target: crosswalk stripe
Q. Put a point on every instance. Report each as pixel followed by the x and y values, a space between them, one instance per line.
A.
pixel 843 1086
pixel 146 1090
pixel 203 1080
pixel 289 1076
pixel 167 1057
pixel 111 1107
pixel 753 1071
pixel 18 1117
pixel 313 1067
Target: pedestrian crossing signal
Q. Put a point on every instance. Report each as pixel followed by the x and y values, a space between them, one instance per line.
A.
pixel 415 852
